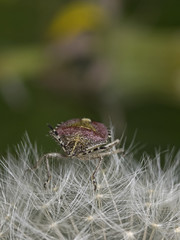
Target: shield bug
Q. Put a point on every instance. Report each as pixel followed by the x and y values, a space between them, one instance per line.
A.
pixel 83 139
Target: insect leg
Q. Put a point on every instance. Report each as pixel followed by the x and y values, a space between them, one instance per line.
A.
pixel 107 153
pixel 46 157
pixel 93 179
pixel 48 173
pixel 110 145
pixel 102 147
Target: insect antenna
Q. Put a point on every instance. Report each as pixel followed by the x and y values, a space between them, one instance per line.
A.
pixel 49 126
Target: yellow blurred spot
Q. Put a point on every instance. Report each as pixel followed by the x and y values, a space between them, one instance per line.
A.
pixel 76 18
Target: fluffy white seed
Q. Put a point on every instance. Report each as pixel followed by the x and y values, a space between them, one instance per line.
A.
pixel 132 201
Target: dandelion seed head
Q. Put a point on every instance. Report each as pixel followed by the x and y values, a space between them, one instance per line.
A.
pixel 55 189
pixel 53 225
pixel 99 186
pixel 130 235
pixel 44 206
pixel 99 196
pixel 132 201
pixel 155 225
pixel 7 217
pixel 177 230
pixel 148 204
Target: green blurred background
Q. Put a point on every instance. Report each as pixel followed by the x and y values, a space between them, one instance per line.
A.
pixel 109 60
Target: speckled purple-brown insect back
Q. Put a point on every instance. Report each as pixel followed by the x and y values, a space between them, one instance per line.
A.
pixel 83 139
pixel 79 137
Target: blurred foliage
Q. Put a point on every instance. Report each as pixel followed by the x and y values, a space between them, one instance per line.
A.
pixel 98 59
pixel 157 13
pixel 21 61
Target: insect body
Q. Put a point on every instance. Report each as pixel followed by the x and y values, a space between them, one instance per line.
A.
pixel 83 139
pixel 80 137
